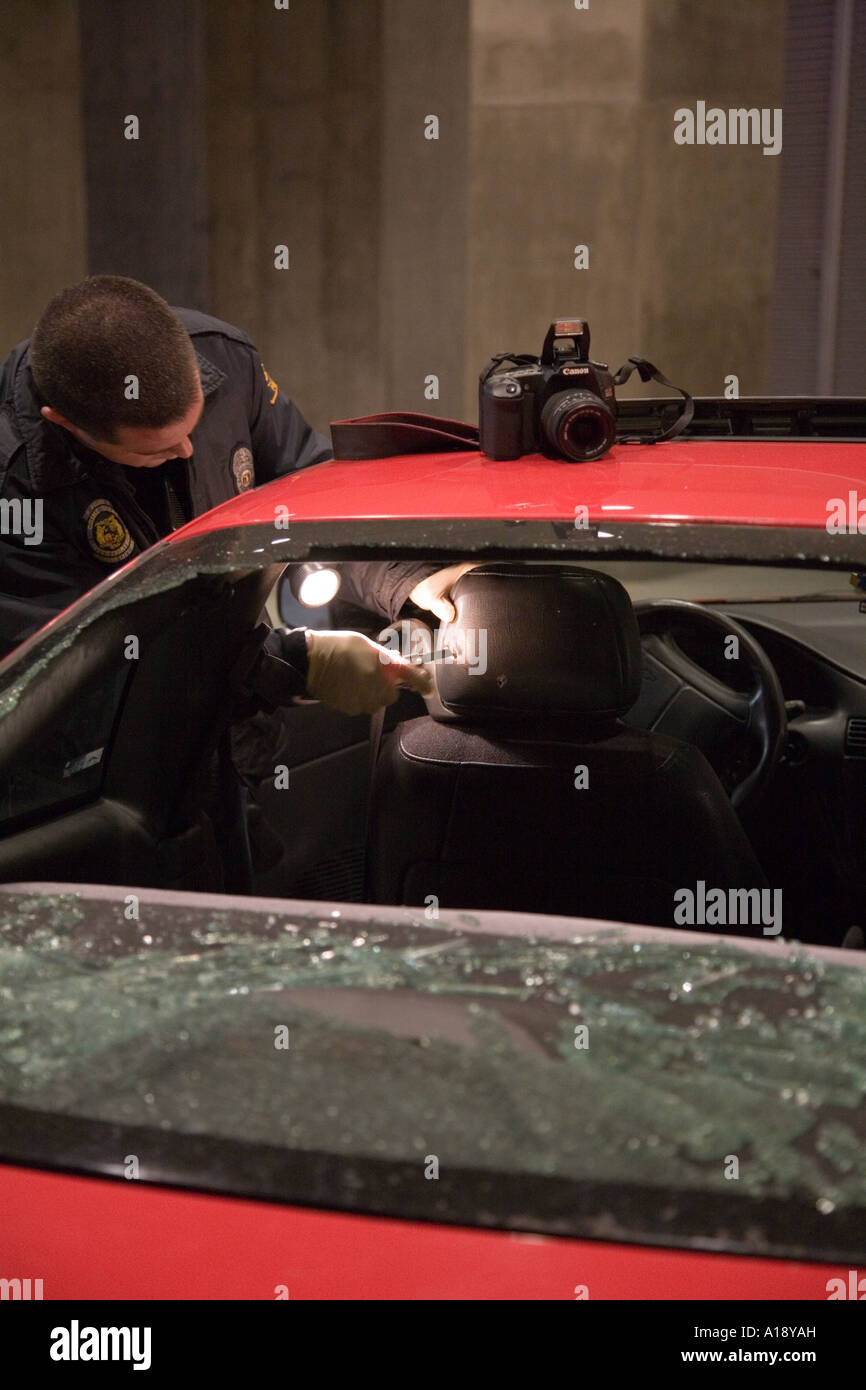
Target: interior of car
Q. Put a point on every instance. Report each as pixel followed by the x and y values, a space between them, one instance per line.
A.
pixel 720 733
pixel 601 734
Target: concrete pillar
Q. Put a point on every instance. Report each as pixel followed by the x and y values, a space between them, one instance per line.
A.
pixel 293 117
pixel 146 196
pixel 42 227
pixel 424 204
pixel 316 141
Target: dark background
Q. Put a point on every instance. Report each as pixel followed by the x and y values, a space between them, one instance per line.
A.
pixel 412 257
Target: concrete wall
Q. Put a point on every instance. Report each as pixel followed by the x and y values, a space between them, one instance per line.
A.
pixel 572 143
pixel 409 257
pixel 707 215
pixel 42 223
pixel 315 121
pixel 142 91
pixel 271 155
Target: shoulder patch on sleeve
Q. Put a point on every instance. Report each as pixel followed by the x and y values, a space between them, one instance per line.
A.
pixel 107 536
pixel 273 388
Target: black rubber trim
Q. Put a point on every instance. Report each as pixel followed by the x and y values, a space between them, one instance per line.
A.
pixel 738 1224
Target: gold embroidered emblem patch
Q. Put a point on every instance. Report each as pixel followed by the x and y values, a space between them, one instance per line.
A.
pixel 272 386
pixel 107 536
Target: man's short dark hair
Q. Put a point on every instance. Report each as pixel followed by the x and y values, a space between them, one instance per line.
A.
pixel 93 337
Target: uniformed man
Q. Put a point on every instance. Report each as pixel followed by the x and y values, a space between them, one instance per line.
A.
pixel 124 419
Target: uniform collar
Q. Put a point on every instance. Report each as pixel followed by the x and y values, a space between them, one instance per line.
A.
pixel 50 448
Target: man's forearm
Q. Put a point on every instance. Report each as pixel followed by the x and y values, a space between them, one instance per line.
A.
pixel 382 587
pixel 279 674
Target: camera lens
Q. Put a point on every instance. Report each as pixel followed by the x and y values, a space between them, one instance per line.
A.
pixel 577 425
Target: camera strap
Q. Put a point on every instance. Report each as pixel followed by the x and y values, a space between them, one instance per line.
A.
pixel 648 372
pixel 409 432
pixel 400 432
pixel 520 359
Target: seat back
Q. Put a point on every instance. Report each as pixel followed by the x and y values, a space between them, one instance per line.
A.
pixel 526 793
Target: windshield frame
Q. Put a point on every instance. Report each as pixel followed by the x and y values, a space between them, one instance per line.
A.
pixel 236 551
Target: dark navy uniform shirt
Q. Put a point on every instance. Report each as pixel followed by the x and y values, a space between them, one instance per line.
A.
pixel 97 515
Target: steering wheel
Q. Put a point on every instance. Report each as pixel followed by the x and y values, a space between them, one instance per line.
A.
pixel 741 732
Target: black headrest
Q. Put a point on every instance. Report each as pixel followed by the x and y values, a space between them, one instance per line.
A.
pixel 539 639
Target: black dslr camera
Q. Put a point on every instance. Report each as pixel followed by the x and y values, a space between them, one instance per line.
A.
pixel 560 404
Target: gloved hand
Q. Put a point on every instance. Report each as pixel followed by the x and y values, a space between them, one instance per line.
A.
pixel 356 676
pixel 434 592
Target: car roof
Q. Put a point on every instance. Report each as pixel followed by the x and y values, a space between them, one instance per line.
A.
pixel 746 482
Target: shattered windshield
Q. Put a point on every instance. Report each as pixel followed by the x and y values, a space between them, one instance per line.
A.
pixel 601 1055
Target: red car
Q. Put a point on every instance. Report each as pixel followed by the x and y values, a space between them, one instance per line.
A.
pixel 566 1001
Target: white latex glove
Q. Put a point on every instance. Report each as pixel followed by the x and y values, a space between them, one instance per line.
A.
pixel 434 592
pixel 356 676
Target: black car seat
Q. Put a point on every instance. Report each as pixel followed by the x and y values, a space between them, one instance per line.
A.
pixel 525 792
